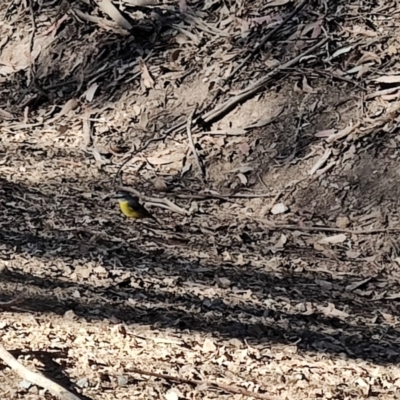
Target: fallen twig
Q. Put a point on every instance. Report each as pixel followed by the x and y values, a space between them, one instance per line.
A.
pixel 299 126
pixel 11 303
pixel 36 378
pixel 191 143
pixel 330 229
pixel 31 41
pixel 221 386
pixel 383 92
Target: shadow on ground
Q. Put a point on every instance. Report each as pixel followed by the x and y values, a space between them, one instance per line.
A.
pixel 64 252
pixel 265 301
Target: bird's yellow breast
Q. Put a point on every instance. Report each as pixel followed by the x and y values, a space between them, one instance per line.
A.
pixel 128 210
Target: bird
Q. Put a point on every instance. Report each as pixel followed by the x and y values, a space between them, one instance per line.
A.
pixel 131 207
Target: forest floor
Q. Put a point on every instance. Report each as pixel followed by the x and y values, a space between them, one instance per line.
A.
pixel 275 271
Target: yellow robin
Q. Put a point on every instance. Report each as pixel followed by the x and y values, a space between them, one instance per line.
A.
pixel 131 207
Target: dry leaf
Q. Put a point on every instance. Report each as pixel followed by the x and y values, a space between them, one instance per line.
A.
pixel 353 254
pixel 324 284
pixel 341 51
pixel 243 169
pixel 363 70
pixel 356 285
pixel 320 162
pixel 326 133
pixel 186 168
pixel 392 50
pixel 343 133
pixel 137 110
pixel 140 3
pixel 97 156
pixel 160 184
pixel 5 114
pixel 242 178
pixel 146 77
pixel 234 131
pixel 276 3
pixel 182 6
pixel 107 7
pixel 244 148
pixel 261 20
pixel 360 30
pixel 369 56
pixel 393 296
pixel 365 387
pixel 87 137
pixel 332 311
pixel 388 79
pixel 280 244
pixel 342 222
pixel 306 87
pixel 166 158
pixel 333 239
pixel 68 106
pixel 89 94
pixel 208 346
pixel 390 97
pixel 144 119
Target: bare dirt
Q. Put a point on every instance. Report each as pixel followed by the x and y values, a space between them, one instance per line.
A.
pixel 281 280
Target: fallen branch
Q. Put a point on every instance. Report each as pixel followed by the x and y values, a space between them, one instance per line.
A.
pixel 37 379
pixel 207 196
pixel 257 85
pixel 191 143
pixel 221 386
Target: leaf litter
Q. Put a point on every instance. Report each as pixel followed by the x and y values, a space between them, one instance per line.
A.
pixel 273 275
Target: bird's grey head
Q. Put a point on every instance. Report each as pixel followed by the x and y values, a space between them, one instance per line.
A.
pixel 123 195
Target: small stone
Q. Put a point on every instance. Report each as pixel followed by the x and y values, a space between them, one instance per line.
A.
pixel 172 394
pixel 224 282
pixel 82 383
pixel 25 384
pixel 70 315
pixel 279 208
pixel 209 346
pixel 122 380
pixel 207 302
